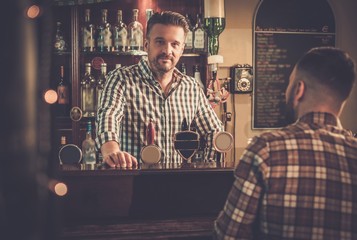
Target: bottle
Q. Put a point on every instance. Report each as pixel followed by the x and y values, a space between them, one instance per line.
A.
pixel 199 36
pixel 62 95
pixel 60 44
pixel 100 83
pixel 183 68
pixel 104 37
pixel 88 92
pixel 120 34
pixel 148 13
pixel 88 146
pixel 197 75
pixel 63 141
pixel 88 33
pixel 189 36
pixel 135 33
pixel 214 26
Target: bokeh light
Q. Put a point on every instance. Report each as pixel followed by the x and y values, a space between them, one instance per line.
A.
pixel 33 11
pixel 50 96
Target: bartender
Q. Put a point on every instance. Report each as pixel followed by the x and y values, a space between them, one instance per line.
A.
pixel 153 90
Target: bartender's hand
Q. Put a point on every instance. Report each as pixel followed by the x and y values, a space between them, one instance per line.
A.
pixel 115 158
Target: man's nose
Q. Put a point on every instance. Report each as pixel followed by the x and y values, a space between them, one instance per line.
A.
pixel 167 48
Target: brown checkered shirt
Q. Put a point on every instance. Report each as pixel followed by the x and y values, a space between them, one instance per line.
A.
pixel 299 182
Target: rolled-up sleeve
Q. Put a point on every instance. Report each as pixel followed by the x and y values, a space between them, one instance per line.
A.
pixel 208 124
pixel 110 109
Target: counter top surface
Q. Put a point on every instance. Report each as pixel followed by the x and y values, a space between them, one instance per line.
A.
pixel 103 169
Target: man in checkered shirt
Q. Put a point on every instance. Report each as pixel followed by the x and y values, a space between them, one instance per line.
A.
pixel 300 182
pixel 154 89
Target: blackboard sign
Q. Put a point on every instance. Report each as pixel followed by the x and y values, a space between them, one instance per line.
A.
pixel 283 31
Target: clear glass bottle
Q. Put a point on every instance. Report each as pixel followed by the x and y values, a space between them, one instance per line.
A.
pixel 197 75
pixel 148 13
pixel 100 83
pixel 189 36
pixel 135 33
pixel 120 34
pixel 104 37
pixel 60 44
pixel 88 98
pixel 199 36
pixel 62 94
pixel 88 147
pixel 88 33
pixel 183 68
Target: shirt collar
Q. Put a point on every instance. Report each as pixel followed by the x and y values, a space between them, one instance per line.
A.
pixel 149 76
pixel 145 69
pixel 325 120
pixel 321 118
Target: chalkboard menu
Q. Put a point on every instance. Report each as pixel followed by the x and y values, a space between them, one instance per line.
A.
pixel 283 31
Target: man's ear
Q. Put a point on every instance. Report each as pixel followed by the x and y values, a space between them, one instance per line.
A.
pixel 300 90
pixel 146 43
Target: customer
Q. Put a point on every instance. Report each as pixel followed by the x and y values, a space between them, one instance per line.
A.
pixel 300 182
pixel 153 89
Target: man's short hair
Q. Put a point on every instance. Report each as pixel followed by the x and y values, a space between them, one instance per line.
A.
pixel 167 18
pixel 331 67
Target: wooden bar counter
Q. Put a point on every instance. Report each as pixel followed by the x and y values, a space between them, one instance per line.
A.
pixel 177 201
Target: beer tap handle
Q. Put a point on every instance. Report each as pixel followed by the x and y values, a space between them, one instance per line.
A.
pixel 184 125
pixel 150 133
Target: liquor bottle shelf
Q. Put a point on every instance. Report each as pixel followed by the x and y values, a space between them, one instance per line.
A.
pixel 62 53
pixel 129 53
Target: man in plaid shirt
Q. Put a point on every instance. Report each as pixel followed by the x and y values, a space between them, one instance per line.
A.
pixel 300 182
pixel 153 90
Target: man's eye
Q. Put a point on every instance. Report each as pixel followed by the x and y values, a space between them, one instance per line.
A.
pixel 176 45
pixel 159 42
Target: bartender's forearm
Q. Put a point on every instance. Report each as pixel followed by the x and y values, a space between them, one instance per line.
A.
pixel 210 152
